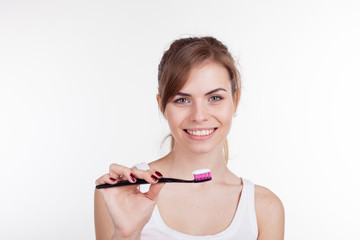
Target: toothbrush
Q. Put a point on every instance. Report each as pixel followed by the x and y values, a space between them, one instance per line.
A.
pixel 201 175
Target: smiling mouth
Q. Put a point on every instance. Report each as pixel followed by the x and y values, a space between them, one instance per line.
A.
pixel 200 133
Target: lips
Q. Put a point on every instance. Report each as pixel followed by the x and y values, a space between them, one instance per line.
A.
pixel 200 132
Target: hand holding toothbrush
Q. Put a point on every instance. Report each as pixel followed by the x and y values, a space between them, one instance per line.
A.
pixel 125 209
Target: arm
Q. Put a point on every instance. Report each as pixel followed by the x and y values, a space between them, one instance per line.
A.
pixel 104 228
pixel 270 214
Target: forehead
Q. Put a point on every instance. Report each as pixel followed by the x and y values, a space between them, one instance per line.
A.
pixel 206 77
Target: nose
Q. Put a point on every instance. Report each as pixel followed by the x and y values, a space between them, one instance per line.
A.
pixel 199 112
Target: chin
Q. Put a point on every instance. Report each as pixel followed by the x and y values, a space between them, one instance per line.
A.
pixel 202 149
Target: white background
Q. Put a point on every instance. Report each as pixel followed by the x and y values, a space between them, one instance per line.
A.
pixel 78 81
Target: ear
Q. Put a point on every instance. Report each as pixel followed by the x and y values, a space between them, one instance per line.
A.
pixel 234 114
pixel 158 99
pixel 236 99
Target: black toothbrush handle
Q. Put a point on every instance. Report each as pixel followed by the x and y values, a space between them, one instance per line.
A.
pixel 142 181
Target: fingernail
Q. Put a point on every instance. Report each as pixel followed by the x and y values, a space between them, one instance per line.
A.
pixel 112 179
pixel 154 178
pixel 158 173
pixel 133 177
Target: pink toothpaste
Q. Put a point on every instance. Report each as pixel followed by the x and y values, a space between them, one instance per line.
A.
pixel 202 174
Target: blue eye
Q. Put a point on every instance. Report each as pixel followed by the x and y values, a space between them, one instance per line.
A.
pixel 181 100
pixel 215 98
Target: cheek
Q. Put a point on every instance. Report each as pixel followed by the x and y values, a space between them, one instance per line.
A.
pixel 173 117
pixel 226 113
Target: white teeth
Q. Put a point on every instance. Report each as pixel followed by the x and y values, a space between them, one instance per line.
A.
pixel 200 133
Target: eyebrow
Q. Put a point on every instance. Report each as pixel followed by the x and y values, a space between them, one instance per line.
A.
pixel 208 93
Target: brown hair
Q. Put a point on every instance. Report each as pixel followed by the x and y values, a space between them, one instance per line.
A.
pixel 182 56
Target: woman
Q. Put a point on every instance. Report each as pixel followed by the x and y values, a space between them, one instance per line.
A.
pixel 199 91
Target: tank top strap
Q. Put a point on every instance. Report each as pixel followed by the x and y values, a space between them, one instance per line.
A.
pixel 248 199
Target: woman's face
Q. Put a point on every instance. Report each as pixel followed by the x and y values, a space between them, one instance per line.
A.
pixel 200 114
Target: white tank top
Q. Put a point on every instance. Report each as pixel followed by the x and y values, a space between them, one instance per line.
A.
pixel 242 227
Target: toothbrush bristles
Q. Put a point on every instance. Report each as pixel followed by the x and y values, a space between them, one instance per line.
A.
pixel 202 175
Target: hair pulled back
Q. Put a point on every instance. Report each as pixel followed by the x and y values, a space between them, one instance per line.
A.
pixel 182 56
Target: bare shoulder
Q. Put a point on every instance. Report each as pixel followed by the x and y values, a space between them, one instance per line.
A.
pixel 266 199
pixel 158 164
pixel 270 214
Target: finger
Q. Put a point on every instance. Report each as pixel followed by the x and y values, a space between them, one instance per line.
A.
pixel 154 191
pixel 119 172
pixel 105 179
pixel 151 176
